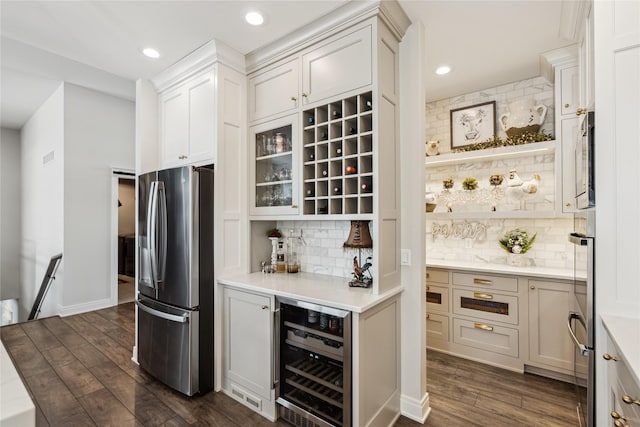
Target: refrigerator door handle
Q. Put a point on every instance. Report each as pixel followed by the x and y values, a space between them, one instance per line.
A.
pixel 584 351
pixel 161 221
pixel 171 317
pixel 578 239
pixel 275 350
pixel 153 232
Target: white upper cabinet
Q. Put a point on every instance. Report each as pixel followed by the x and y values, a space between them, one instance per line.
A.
pixel 585 57
pixel 569 90
pixel 340 65
pixel 275 90
pixel 188 122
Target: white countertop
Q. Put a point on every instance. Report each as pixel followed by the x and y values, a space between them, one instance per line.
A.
pixel 483 267
pixel 625 333
pixel 320 289
pixel 16 407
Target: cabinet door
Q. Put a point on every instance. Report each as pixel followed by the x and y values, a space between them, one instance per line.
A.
pixel 549 341
pixel 569 90
pixel 343 64
pixel 585 58
pixel 274 91
pixel 274 167
pixel 174 127
pixel 248 338
pixel 569 128
pixel 202 118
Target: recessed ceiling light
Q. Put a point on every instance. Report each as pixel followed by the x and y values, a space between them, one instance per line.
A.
pixel 254 18
pixel 151 53
pixel 443 70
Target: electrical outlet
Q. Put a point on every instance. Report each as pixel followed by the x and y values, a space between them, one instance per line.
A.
pixel 405 256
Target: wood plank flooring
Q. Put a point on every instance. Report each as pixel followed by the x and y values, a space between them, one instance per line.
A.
pixel 78 371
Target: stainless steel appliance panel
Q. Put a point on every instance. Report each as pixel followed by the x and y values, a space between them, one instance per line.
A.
pixel 581 323
pixel 168 344
pixel 179 285
pixel 585 163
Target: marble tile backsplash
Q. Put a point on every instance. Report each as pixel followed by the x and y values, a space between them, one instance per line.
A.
pixel 537 89
pixel 551 248
pixel 322 250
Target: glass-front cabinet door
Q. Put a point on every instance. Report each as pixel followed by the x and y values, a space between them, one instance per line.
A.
pixel 274 150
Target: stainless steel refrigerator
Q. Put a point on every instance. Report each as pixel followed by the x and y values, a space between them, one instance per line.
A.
pixel 176 277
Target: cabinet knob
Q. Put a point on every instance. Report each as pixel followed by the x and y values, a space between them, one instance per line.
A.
pixel 182 157
pixel 265 307
pixel 294 99
pixel 427 275
pixel 617 416
pixel 294 206
pixel 428 315
pixel 607 356
pixel 568 204
pixel 428 287
pixel 305 95
pixel 566 105
pixel 532 287
pixel 581 111
pixel 630 400
pixel 619 423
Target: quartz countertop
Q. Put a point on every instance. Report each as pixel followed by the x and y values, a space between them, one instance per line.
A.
pixel 16 407
pixel 624 331
pixel 492 268
pixel 320 289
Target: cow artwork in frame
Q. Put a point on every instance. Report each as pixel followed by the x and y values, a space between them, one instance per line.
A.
pixel 473 124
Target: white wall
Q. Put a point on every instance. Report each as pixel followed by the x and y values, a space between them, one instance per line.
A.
pixel 127 212
pixel 42 202
pixel 10 222
pixel 99 135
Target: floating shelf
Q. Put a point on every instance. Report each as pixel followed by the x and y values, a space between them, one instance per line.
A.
pixel 492 154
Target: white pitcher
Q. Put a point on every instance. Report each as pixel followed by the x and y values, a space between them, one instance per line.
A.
pixel 523 116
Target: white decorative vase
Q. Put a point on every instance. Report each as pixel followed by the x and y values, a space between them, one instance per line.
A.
pixel 523 116
pixel 517 260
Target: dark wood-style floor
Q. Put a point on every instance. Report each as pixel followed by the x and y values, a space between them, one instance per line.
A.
pixel 79 372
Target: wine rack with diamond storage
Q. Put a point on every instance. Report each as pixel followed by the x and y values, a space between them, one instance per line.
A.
pixel 337 157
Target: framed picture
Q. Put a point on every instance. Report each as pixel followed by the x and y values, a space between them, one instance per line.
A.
pixel 473 124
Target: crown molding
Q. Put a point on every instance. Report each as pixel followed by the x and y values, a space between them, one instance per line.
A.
pixel 212 52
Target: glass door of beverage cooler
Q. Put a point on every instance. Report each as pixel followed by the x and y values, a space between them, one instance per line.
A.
pixel 315 365
pixel 275 167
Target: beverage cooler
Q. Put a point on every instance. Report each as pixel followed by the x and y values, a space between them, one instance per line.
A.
pixel 314 388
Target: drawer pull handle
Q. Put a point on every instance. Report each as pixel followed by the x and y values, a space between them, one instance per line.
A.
pixel 481 281
pixel 630 400
pixel 617 416
pixel 619 423
pixel 607 356
pixel 294 99
pixel 483 326
pixel 581 111
pixel 264 307
pixel 182 157
pixel 482 296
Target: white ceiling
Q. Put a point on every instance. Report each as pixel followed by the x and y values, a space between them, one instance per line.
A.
pixel 97 43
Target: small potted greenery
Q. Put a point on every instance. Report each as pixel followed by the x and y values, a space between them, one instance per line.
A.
pixel 517 242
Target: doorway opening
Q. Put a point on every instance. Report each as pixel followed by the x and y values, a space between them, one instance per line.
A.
pixel 124 236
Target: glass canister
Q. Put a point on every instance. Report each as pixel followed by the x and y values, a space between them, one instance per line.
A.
pixel 293 265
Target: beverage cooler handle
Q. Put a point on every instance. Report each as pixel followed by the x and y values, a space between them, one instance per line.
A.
pixel 584 351
pixel 275 350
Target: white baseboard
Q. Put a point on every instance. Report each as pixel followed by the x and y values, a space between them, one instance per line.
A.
pixel 416 410
pixel 70 310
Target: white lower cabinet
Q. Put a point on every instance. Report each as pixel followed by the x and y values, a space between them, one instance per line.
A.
pixel 549 343
pixel 624 392
pixel 512 321
pixel 248 346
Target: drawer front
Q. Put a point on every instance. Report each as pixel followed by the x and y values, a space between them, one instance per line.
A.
pixel 437 299
pixel 437 276
pixel 486 305
pixel 485 281
pixel 437 327
pixel 496 339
